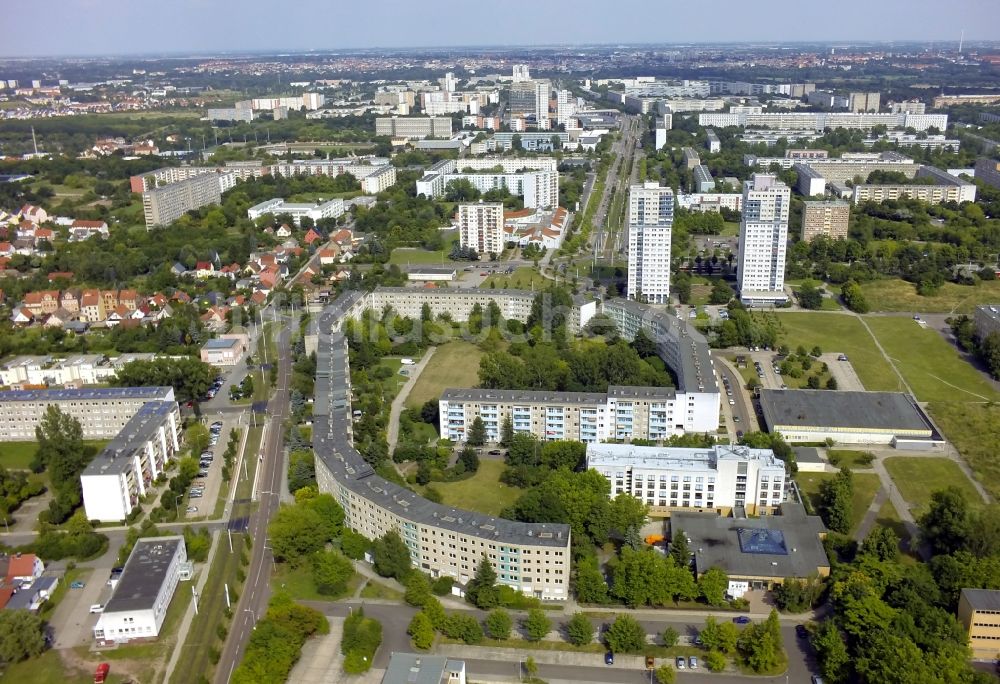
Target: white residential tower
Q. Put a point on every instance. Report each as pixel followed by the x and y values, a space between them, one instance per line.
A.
pixel 763 240
pixel 650 222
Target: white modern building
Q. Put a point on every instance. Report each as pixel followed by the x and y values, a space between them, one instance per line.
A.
pixel 330 209
pixel 711 201
pixel 650 224
pixel 140 600
pixel 718 478
pixel 763 240
pixel 818 121
pixel 124 471
pixel 663 125
pixel 712 141
pixel 536 179
pixel 481 227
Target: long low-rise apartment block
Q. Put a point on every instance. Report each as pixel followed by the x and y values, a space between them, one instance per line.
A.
pixel 102 411
pixel 844 168
pixel 717 478
pixel 533 558
pixel 164 205
pixel 124 471
pixel 818 121
pixel 946 188
pixel 535 179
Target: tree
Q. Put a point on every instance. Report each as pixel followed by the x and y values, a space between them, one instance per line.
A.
pixel 392 558
pixel 482 590
pixel 506 431
pixel 537 624
pixel 418 588
pixel 464 627
pixel 60 446
pixel 721 293
pixel 499 624
pixel 563 454
pixel 477 433
pixel 989 352
pixel 679 549
pixel 831 651
pixel 296 532
pixel 881 543
pixel 669 637
pixel 626 635
pixel 946 525
pixel 590 585
pixel 854 297
pixel 666 674
pixel 435 611
pixel 715 661
pixel 761 644
pixel 421 631
pixel 331 572
pixel 470 459
pixel 197 437
pixel 353 544
pixel 579 630
pixel 22 635
pixel 836 501
pixel 531 667
pixel 189 377
pixel 712 586
pixel 719 636
pixel 810 296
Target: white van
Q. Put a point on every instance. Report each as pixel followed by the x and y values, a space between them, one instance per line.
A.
pixel 408 362
pixel 97 608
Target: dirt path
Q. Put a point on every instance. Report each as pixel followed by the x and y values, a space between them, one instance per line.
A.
pixel 397 404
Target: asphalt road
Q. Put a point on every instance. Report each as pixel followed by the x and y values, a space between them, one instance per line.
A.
pixel 622 149
pixel 395 618
pixel 742 408
pixel 256 593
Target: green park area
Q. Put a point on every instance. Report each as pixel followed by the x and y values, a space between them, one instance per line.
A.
pixel 483 492
pixel 403 256
pixel 18 455
pixel 931 366
pixel 974 429
pixel 893 294
pixel 917 477
pixel 455 364
pixel 841 334
pixel 866 485
pixel 523 278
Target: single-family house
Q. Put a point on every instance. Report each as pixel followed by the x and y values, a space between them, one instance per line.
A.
pixel 92 307
pixel 204 269
pixel 311 236
pixel 82 229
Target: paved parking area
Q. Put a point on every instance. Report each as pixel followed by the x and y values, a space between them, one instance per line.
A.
pixel 321 659
pixel 213 484
pixel 843 371
pixel 72 621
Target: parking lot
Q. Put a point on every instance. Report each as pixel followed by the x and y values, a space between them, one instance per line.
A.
pixel 211 484
pixel 841 370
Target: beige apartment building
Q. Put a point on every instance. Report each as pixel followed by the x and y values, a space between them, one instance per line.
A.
pixel 164 205
pixel 825 218
pixel 480 226
pixel 979 613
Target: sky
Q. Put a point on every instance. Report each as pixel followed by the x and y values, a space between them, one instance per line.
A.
pixel 129 27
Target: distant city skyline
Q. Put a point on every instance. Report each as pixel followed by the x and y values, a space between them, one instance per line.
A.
pixel 121 27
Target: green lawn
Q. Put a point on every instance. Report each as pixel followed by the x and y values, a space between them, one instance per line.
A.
pixel 483 492
pixel 455 364
pixel 841 334
pixel 865 487
pixel 17 455
pixel 523 278
pixel 893 294
pixel 412 255
pixel 730 229
pixel 377 590
pixel 848 458
pixel 298 583
pixel 917 478
pixel 888 516
pixel 974 429
pixel 931 366
pixel 49 667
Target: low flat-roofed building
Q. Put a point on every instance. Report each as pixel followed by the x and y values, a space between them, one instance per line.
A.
pixel 422 668
pixel 297 210
pixel 222 351
pixel 756 553
pixel 140 600
pixel 431 273
pixel 845 417
pixel 979 613
pixel 809 460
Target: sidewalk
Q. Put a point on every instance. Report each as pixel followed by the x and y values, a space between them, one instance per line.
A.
pixel 392 435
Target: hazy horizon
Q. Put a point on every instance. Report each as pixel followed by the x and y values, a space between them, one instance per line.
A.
pixel 207 27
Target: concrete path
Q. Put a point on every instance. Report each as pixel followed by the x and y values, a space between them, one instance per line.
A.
pixel 868 522
pixel 397 404
pixel 902 507
pixel 322 661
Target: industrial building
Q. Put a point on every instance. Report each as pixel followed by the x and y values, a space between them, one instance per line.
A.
pixel 138 606
pixel 756 553
pixel 718 478
pixel 846 417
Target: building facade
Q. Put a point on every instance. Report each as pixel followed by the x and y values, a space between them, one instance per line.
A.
pixel 825 218
pixel 139 603
pixel 480 226
pixel 330 209
pixel 988 171
pixel 763 240
pixel 536 179
pixel 650 225
pixel 867 102
pixel 818 121
pixel 718 478
pixel 979 613
pixel 164 205
pixel 414 126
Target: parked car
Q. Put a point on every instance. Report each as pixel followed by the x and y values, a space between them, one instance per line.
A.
pixel 801 631
pixel 680 662
pixel 101 673
pixel 192 509
pixel 495 452
pixel 741 620
pixel 609 658
pixel 77 585
pixel 693 662
pixel 97 608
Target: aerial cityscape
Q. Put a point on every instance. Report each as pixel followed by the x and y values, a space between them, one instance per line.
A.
pixel 428 344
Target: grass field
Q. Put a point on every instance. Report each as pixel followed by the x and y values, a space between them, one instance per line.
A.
pixel 377 590
pixel 49 667
pixel 974 429
pixel 523 278
pixel 848 458
pixel 298 583
pixel 917 478
pixel 455 364
pixel 18 455
pixel 887 516
pixel 402 256
pixel 931 366
pixel 841 334
pixel 483 492
pixel 898 295
pixel 865 487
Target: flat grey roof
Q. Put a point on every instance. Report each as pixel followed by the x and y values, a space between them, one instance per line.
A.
pixel 807 455
pixel 716 542
pixel 88 394
pixel 116 457
pixel 883 411
pixel 990 311
pixel 437 270
pixel 526 396
pixel 221 343
pixel 414 668
pixel 982 599
pixel 144 574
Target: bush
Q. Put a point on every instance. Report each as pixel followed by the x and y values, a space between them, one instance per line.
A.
pixel 362 637
pixel 537 624
pixel 626 635
pixel 442 586
pixel 715 661
pixel 464 627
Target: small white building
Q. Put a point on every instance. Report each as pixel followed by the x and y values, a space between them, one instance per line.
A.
pixel 275 206
pixel 222 351
pixel 140 600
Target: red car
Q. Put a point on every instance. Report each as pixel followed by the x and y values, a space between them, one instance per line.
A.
pixel 101 674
